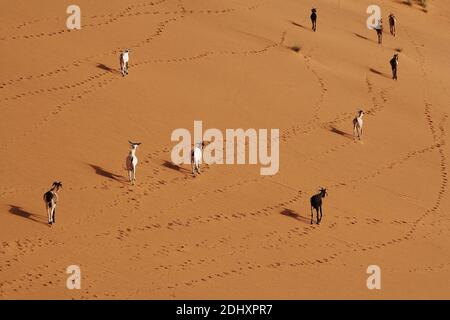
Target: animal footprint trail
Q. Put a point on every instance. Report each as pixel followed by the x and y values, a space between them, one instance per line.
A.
pixel 160 28
pixel 58 109
pixel 113 18
pixel 51 90
pixel 412 227
pixel 390 166
pixel 268 210
pixel 323 89
pixel 89 22
pixel 211 53
pixel 439 140
pixel 25 24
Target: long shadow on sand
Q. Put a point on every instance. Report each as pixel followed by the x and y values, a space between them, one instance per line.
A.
pixel 341 133
pixel 106 68
pixel 102 172
pixel 20 212
pixel 412 4
pixel 379 73
pixel 298 25
pixel 363 37
pixel 175 167
pixel 292 214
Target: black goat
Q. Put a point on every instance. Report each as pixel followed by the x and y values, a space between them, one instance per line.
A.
pixel 314 19
pixel 316 203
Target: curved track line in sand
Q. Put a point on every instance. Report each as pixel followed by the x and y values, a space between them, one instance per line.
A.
pixel 361 248
pixel 205 54
pixel 323 90
pixel 428 113
pixel 77 62
pixel 25 24
pixel 54 89
pixel 60 107
pixel 438 144
pixel 158 184
pixel 176 223
pixel 160 28
pixel 376 107
pixel 112 18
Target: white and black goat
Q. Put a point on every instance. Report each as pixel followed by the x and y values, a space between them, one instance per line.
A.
pixel 50 199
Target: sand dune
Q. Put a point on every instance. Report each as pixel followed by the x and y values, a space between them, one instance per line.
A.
pixel 67 115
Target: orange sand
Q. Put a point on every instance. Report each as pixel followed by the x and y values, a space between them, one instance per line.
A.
pixel 230 233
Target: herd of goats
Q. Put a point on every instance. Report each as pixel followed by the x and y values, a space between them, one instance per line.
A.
pixel 51 196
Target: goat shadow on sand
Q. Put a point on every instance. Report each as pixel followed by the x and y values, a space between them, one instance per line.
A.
pixel 292 214
pixel 341 133
pixel 175 167
pixel 363 37
pixel 417 3
pixel 299 25
pixel 106 68
pixel 102 172
pixel 379 73
pixel 20 212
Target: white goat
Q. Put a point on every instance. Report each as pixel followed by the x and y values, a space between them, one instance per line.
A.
pixel 132 161
pixel 50 199
pixel 124 58
pixel 358 124
pixel 196 157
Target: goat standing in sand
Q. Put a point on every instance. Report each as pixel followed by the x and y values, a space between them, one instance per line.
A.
pixel 394 66
pixel 358 125
pixel 316 203
pixel 314 19
pixel 379 30
pixel 392 23
pixel 132 162
pixel 196 157
pixel 124 58
pixel 50 199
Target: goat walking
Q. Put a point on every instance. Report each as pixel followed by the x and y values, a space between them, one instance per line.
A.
pixel 316 203
pixel 394 66
pixel 379 30
pixel 314 19
pixel 358 125
pixel 392 23
pixel 124 58
pixel 132 161
pixel 50 199
pixel 197 155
